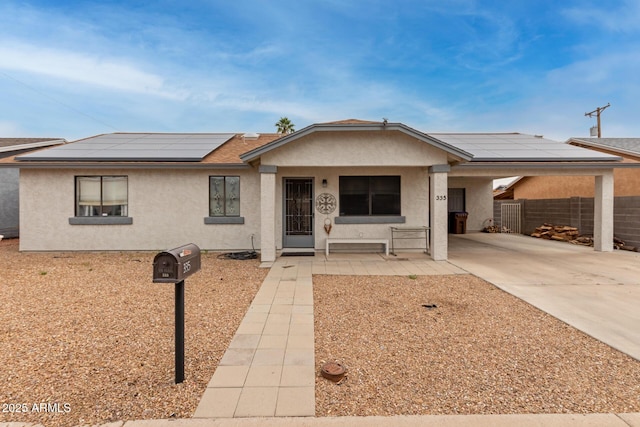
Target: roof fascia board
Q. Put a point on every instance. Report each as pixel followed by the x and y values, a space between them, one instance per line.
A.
pixel 126 165
pixel 499 160
pixel 40 144
pixel 332 127
pixel 533 169
pixel 540 165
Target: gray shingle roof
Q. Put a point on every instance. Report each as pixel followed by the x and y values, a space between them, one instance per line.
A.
pixel 10 142
pixel 628 145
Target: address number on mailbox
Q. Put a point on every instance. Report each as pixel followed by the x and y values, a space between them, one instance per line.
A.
pixel 174 265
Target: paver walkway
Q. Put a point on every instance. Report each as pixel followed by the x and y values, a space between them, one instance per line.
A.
pixel 269 368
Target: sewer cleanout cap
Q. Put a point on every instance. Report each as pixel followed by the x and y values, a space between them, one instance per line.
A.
pixel 333 371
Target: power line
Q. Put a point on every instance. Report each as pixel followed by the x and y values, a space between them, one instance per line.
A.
pixel 51 98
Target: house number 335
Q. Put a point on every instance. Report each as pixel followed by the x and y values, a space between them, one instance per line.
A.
pixel 441 197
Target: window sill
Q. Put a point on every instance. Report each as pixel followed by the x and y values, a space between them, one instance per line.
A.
pixel 224 220
pixel 100 220
pixel 370 220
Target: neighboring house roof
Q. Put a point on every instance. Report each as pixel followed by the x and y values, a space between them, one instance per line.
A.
pixel 19 144
pixel 629 146
pixel 358 125
pixel 505 192
pixel 510 147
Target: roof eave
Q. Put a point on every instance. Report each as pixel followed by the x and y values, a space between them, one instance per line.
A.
pixel 564 164
pixel 498 160
pixel 122 165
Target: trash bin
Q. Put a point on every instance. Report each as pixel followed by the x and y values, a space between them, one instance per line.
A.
pixel 458 222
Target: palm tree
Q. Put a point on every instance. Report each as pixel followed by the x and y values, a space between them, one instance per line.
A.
pixel 285 126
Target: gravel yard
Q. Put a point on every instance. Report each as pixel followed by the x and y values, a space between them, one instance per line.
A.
pixel 87 338
pixel 479 351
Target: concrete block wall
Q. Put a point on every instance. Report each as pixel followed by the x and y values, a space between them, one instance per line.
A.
pixel 537 212
pixel 626 219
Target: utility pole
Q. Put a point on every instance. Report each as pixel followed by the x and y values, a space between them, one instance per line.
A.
pixel 597 112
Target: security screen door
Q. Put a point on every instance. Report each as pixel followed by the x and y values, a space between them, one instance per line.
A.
pixel 298 213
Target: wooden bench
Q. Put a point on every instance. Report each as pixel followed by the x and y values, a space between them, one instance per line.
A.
pixel 356 240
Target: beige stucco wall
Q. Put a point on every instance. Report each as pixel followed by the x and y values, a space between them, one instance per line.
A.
pixel 168 208
pixel 479 199
pixel 355 149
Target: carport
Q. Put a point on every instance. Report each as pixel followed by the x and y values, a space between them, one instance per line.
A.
pixel 597 293
pixel 501 155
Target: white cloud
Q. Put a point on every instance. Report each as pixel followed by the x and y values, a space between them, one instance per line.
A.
pixel 623 19
pixel 110 73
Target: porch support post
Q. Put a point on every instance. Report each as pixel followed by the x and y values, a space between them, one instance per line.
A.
pixel 267 213
pixel 603 213
pixel 438 211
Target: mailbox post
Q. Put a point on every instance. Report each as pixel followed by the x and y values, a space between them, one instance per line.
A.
pixel 173 266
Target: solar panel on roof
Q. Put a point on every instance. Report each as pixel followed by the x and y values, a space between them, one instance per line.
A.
pixel 518 147
pixel 135 147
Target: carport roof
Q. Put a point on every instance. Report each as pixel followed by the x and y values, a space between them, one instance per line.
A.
pixel 517 147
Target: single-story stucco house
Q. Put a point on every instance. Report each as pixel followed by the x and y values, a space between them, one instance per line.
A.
pixel 350 179
pixel 10 178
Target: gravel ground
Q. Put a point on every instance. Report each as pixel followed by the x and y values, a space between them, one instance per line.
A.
pixel 480 351
pixel 92 338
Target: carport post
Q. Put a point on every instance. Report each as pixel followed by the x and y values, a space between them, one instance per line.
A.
pixel 603 213
pixel 438 211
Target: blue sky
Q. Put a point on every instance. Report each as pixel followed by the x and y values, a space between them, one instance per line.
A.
pixel 73 69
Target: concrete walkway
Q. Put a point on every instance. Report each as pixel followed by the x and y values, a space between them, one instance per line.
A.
pixel 269 368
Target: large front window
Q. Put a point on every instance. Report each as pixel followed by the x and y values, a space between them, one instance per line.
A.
pixel 224 196
pixel 101 196
pixel 369 195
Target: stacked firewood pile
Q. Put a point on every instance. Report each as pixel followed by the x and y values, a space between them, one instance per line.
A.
pixel 572 235
pixel 556 232
pixel 617 243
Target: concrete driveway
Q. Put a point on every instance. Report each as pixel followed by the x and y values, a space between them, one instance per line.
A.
pixel 596 292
